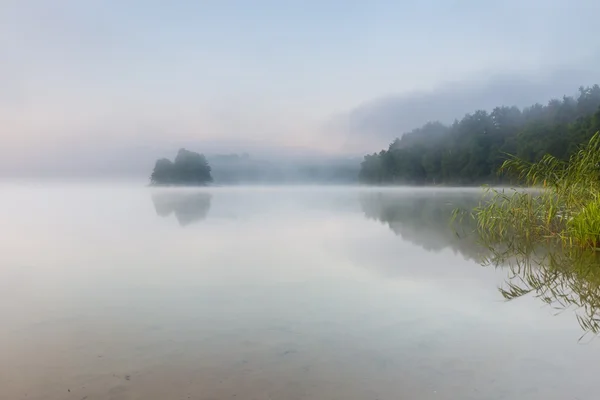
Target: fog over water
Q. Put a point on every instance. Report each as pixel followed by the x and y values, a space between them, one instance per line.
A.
pixel 124 292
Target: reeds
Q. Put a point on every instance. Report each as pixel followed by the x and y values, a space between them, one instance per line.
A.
pixel 548 232
pixel 561 202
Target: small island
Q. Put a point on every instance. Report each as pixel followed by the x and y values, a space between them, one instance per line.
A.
pixel 189 169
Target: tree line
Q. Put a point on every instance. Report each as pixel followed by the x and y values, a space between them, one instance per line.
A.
pixel 470 151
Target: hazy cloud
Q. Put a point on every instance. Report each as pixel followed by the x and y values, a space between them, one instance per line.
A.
pixel 374 124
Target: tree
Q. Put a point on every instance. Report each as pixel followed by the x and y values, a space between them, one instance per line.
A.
pixel 192 168
pixel 189 168
pixel 164 172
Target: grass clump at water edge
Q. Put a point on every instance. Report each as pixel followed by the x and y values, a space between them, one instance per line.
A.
pixel 561 204
pixel 548 233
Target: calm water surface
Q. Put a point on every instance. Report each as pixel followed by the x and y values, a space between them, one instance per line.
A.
pixel 117 292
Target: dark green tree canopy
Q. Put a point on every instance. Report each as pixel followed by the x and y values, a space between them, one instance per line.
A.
pixel 189 168
pixel 471 150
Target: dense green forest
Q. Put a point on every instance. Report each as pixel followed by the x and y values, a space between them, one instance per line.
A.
pixel 470 151
pixel 189 168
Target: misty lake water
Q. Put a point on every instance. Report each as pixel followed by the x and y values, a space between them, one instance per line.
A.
pixel 123 292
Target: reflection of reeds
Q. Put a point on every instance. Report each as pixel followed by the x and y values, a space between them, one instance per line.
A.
pixel 548 237
pixel 561 278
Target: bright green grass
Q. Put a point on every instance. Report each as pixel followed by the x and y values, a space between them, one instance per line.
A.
pixel 565 207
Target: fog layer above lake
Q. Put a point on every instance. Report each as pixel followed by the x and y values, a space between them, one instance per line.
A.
pixel 122 292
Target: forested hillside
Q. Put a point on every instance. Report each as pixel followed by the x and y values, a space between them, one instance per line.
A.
pixel 471 150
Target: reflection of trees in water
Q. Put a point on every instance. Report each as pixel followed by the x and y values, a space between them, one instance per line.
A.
pixel 424 218
pixel 187 207
pixel 562 278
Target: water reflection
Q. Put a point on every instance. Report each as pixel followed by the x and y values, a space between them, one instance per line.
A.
pixel 562 278
pixel 188 207
pixel 423 218
pixel 279 302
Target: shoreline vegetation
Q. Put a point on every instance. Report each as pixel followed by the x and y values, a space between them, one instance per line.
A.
pixel 539 215
pixel 467 153
pixel 548 233
pixel 564 210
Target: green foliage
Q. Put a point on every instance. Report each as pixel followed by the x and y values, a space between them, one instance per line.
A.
pixel 548 235
pixel 585 225
pixel 189 168
pixel 566 209
pixel 471 150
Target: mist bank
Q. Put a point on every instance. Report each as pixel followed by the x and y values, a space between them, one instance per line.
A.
pixel 233 169
pixel 135 164
pixel 190 168
pixel 374 124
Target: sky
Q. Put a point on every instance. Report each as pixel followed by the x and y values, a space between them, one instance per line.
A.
pixel 97 77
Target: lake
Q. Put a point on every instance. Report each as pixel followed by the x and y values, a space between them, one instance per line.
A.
pixel 124 292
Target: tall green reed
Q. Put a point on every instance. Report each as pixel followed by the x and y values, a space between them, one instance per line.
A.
pixel 560 201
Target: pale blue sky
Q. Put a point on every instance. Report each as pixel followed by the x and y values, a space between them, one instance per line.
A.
pixel 117 72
